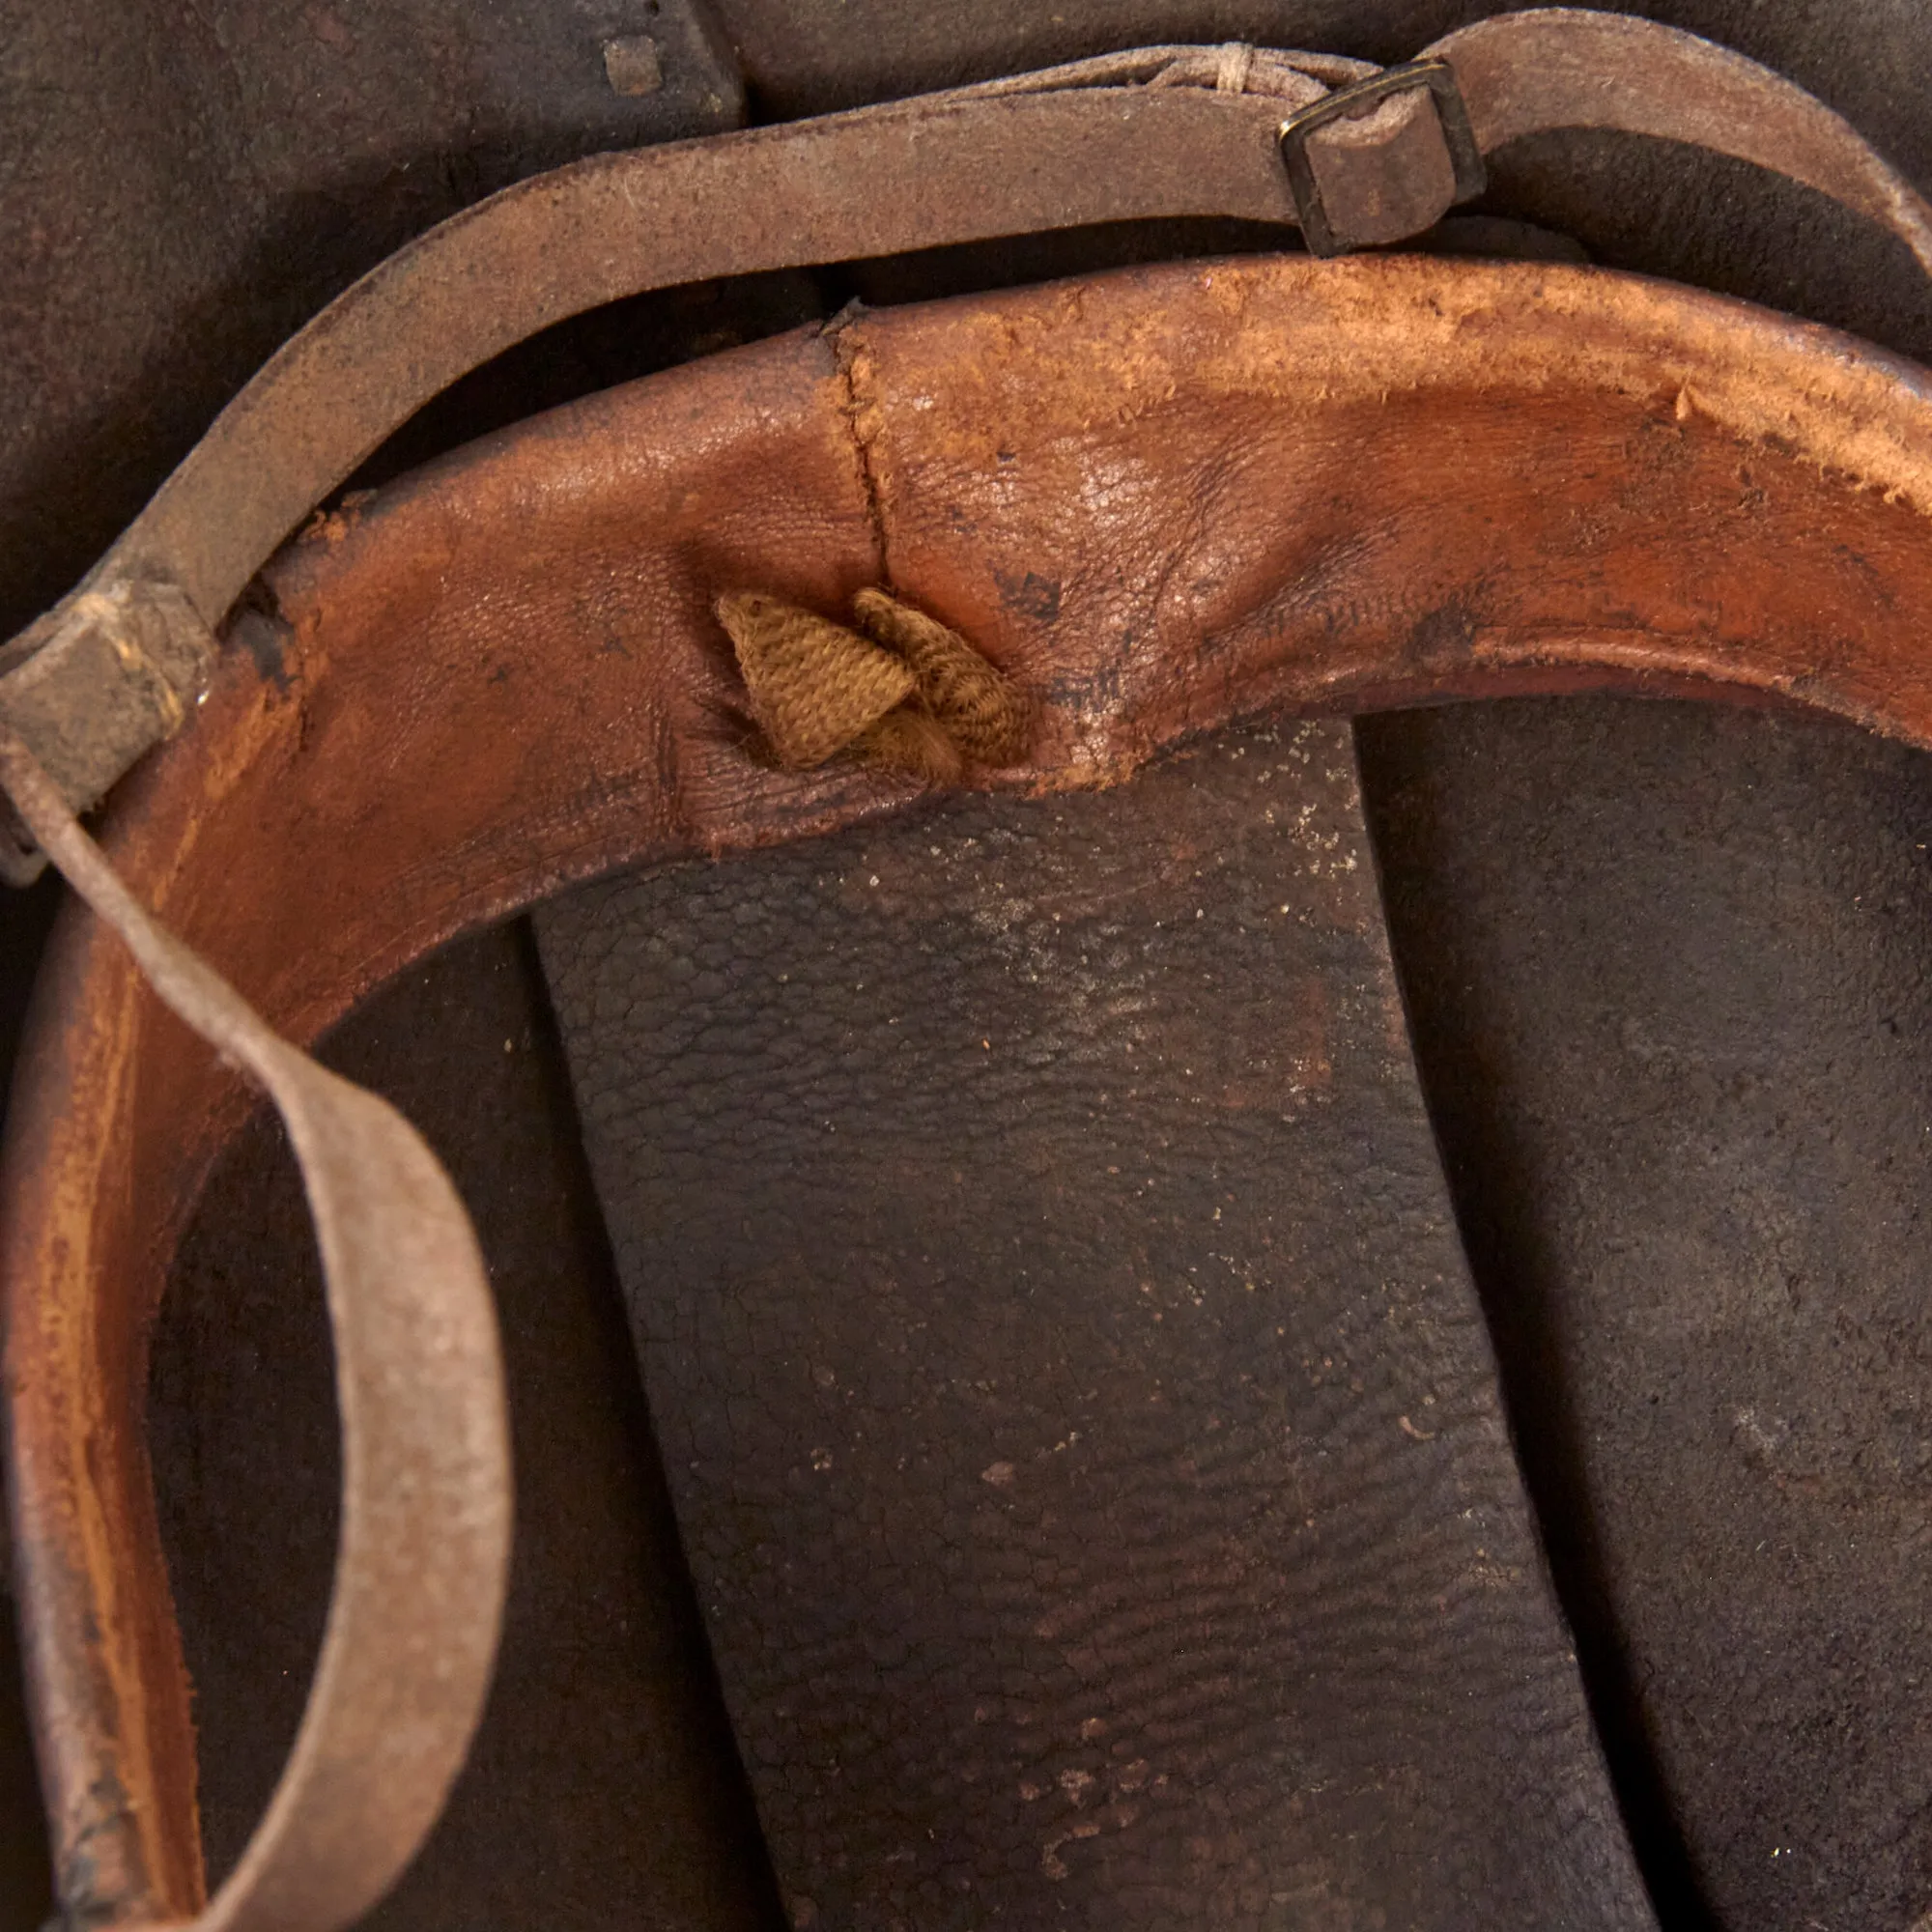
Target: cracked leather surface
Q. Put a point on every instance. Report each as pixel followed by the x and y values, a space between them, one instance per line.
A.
pixel 1082 1427
pixel 810 53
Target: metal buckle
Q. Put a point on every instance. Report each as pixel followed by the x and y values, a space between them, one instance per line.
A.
pixel 1465 159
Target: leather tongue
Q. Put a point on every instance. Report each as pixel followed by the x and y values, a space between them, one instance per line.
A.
pixel 1082 1425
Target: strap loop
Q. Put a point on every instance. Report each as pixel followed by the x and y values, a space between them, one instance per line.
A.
pixel 423 1563
pixel 1381 161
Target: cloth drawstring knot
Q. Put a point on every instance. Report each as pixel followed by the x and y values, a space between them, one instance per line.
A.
pixel 901 689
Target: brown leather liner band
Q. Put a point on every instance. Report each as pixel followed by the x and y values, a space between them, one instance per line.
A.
pixel 1157 500
pixel 1055 150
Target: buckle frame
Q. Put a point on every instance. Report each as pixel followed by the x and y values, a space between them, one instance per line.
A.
pixel 1439 78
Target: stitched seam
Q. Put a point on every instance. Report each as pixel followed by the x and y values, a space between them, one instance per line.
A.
pixel 864 419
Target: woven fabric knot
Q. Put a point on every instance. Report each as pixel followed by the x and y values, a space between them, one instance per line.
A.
pixel 899 690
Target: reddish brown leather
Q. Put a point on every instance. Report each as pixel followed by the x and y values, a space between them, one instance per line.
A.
pixel 1159 500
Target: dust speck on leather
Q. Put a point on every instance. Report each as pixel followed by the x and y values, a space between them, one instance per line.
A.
pixel 814 685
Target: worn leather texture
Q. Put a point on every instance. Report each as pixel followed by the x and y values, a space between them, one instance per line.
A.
pixel 1082 1423
pixel 186 181
pixel 1665 211
pixel 1158 501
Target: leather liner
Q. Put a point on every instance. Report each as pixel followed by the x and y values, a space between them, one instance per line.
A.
pixel 1159 500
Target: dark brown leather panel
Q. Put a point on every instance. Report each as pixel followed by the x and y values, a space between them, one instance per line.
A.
pixel 1669 988
pixel 1082 1423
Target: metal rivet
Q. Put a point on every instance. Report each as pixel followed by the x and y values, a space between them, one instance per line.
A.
pixel 632 65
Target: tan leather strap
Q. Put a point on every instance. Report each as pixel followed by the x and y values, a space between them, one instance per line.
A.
pixel 425 1517
pixel 425 1542
pixel 1562 67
